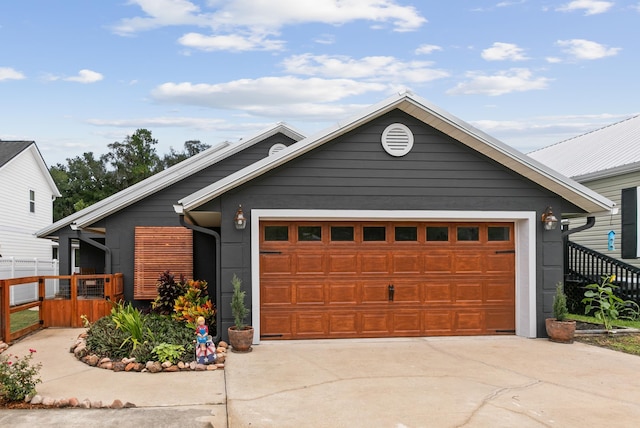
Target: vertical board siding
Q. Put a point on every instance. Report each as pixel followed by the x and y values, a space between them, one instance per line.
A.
pixel 158 249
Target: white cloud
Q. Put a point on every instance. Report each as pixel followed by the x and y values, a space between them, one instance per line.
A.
pixel 373 68
pixel 590 7
pixel 263 17
pixel 230 42
pixel 427 49
pixel 270 96
pixel 504 52
pixel 84 76
pixel 586 49
pixel 8 73
pixel 161 122
pixel 504 82
pixel 161 13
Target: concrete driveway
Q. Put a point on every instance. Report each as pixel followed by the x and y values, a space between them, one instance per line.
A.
pixel 503 381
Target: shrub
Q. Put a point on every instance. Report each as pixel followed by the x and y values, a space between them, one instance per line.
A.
pixel 560 310
pixel 194 303
pixel 18 377
pixel 168 291
pixel 238 309
pixel 104 339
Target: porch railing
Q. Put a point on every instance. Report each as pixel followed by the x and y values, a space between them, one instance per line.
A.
pixel 77 295
pixel 585 266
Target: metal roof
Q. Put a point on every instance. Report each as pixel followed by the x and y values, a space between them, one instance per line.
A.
pixel 606 151
pixel 163 179
pixel 579 195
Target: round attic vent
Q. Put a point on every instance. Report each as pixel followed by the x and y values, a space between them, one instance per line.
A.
pixel 397 139
pixel 276 148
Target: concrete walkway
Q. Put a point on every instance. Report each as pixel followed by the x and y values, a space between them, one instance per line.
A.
pixel 501 381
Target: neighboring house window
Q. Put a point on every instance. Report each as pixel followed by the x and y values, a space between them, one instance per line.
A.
pixel 32 201
pixel 629 240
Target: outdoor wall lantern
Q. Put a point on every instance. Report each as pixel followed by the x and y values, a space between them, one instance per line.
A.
pixel 549 221
pixel 240 221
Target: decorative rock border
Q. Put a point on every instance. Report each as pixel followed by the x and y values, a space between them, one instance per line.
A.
pixel 79 349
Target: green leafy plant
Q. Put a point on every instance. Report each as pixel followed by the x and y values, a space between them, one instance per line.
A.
pixel 238 308
pixel 194 303
pixel 607 307
pixel 129 320
pixel 105 340
pixel 168 352
pixel 560 310
pixel 168 291
pixel 18 376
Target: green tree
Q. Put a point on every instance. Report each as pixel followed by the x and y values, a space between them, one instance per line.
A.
pixel 85 179
pixel 81 183
pixel 132 160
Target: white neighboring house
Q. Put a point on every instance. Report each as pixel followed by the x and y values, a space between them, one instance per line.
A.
pixel 607 161
pixel 27 192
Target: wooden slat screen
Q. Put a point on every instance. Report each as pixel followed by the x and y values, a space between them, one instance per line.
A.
pixel 159 249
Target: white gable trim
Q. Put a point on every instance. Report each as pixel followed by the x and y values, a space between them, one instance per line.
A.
pixel 525 242
pixel 584 198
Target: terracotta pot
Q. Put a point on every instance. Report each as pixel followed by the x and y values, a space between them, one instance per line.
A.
pixel 240 340
pixel 560 331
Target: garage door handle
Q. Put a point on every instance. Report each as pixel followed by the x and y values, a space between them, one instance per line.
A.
pixel 506 252
pixel 270 252
pixel 392 291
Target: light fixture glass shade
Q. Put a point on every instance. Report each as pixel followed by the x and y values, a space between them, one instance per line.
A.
pixel 549 220
pixel 239 220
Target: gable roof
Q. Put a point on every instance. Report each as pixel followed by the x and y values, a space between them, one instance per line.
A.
pixel 10 150
pixel 579 195
pixel 607 151
pixel 165 178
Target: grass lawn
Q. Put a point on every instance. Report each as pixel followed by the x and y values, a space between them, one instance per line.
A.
pixel 629 343
pixel 22 319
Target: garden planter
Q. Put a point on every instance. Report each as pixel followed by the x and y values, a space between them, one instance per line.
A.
pixel 240 340
pixel 560 331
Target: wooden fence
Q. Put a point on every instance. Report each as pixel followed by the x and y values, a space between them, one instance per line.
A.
pixel 90 296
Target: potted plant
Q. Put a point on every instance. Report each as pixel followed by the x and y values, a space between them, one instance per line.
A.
pixel 560 329
pixel 240 334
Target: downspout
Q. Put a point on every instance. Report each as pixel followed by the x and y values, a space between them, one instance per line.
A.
pixel 216 236
pixel 107 250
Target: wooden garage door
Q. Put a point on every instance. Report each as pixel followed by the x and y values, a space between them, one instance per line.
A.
pixel 354 279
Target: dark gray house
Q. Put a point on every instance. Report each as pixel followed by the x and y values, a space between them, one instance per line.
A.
pixel 401 221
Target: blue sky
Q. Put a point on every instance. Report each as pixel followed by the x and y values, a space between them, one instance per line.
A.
pixel 76 75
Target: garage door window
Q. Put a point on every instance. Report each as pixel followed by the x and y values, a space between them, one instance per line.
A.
pixel 276 233
pixel 342 233
pixel 374 233
pixel 309 233
pixel 468 233
pixel 498 233
pixel 438 233
pixel 406 233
